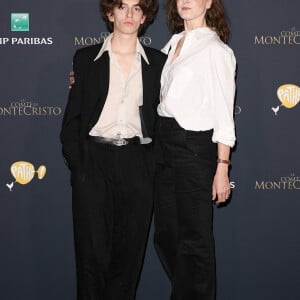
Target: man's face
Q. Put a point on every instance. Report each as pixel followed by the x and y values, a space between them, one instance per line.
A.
pixel 127 17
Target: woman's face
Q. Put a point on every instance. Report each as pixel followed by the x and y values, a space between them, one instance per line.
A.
pixel 193 11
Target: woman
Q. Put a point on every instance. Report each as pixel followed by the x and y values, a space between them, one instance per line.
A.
pixel 196 132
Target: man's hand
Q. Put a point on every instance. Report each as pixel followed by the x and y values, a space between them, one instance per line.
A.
pixel 71 79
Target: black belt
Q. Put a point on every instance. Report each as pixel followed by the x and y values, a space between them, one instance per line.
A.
pixel 115 142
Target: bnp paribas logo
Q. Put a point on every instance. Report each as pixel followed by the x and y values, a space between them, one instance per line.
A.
pixel 19 22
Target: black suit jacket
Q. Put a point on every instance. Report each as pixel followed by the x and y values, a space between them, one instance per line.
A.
pixel 88 95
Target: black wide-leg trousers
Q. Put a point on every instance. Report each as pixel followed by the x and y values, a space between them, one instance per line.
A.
pixel 112 208
pixel 183 210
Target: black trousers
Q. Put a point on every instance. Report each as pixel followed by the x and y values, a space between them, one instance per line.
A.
pixel 112 208
pixel 183 210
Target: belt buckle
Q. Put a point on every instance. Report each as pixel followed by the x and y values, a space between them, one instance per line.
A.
pixel 120 142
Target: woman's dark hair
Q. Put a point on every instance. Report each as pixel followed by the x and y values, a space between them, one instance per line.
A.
pixel 215 19
pixel 149 8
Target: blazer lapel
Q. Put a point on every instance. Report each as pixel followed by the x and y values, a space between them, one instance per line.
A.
pixel 147 75
pixel 148 97
pixel 98 86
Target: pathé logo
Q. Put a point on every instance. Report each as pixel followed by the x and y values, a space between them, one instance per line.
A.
pixel 23 172
pixel 288 95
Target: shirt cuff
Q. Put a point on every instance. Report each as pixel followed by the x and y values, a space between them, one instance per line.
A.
pixel 226 137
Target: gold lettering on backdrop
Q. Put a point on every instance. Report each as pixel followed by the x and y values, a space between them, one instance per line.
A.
pixel 286 37
pixel 32 111
pixel 28 108
pixel 89 40
pixel 285 183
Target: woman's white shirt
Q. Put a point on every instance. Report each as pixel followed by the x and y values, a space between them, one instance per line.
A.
pixel 198 86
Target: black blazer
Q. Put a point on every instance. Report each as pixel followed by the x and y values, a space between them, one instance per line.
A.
pixel 88 95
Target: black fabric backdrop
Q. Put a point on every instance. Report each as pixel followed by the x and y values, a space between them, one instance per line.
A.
pixel 257 234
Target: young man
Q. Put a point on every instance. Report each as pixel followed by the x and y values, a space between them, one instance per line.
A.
pixel 107 136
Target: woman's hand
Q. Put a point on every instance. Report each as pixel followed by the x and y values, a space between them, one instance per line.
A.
pixel 221 185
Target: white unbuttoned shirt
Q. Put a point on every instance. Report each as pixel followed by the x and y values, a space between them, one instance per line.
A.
pixel 120 117
pixel 198 87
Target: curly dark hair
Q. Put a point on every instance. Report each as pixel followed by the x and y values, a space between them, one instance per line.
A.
pixel 215 19
pixel 149 8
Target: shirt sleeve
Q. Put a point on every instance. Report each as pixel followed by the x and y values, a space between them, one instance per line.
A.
pixel 224 65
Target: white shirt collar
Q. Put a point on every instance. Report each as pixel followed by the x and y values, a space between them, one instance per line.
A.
pixel 197 33
pixel 107 47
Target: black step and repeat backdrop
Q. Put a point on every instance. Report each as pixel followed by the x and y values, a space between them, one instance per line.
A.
pixel 257 234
